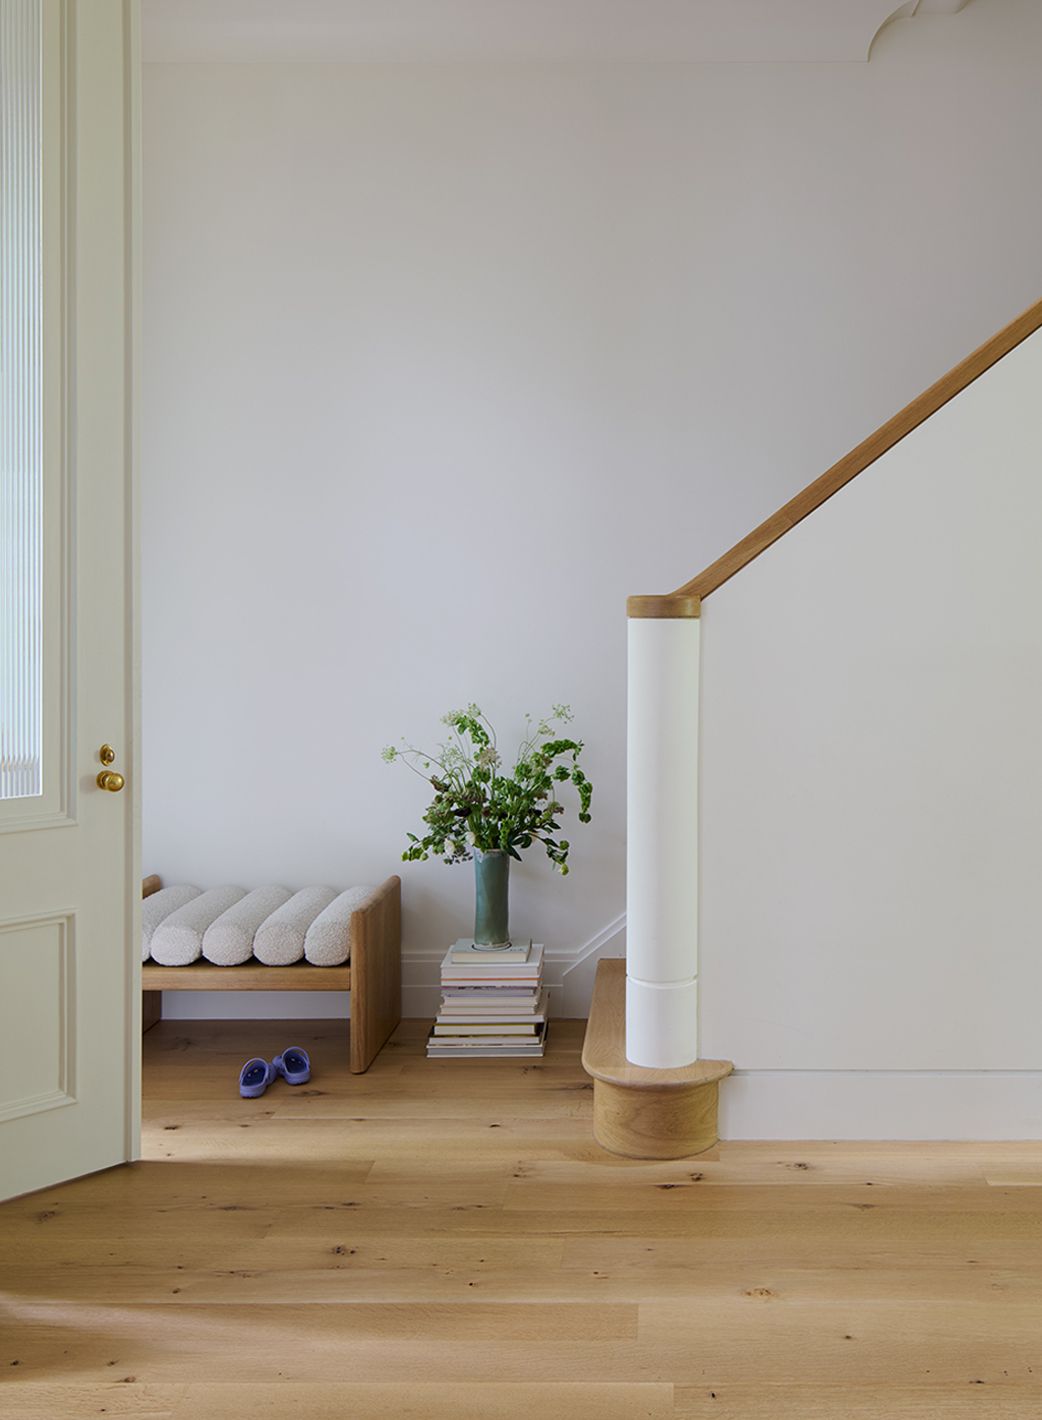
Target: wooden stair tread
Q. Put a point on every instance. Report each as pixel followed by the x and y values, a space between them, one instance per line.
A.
pixel 250 976
pixel 604 1050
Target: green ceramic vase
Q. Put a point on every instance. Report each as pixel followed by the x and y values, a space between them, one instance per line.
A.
pixel 491 898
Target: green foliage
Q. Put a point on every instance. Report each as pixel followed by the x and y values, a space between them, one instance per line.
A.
pixel 477 805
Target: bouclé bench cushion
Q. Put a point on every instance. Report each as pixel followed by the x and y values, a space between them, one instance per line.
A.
pixel 280 939
pixel 160 905
pixel 228 941
pixel 178 940
pixel 229 926
pixel 327 941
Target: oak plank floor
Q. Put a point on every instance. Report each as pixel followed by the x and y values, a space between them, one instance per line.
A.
pixel 443 1239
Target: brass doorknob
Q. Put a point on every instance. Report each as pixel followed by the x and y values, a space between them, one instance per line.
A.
pixel 110 780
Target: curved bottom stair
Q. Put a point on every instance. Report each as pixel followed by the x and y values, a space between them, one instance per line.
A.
pixel 639 1112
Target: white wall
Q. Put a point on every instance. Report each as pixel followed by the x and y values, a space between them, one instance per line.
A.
pixel 442 362
pixel 872 788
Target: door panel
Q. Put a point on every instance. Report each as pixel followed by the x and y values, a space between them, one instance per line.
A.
pixel 69 997
pixel 36 968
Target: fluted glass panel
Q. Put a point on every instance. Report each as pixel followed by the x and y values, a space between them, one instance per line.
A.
pixel 21 442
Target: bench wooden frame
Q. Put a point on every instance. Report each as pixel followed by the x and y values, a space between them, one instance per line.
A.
pixel 373 975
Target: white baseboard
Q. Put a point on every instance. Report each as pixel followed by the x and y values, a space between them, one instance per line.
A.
pixel 421 986
pixel 255 1005
pixel 569 976
pixel 882 1104
pixel 754 1104
pixel 577 974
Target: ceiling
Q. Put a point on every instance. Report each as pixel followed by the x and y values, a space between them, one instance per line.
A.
pixel 512 31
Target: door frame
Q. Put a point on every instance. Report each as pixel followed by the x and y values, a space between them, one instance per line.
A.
pixel 132 61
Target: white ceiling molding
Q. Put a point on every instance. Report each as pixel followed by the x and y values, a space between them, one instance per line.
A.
pixel 513 31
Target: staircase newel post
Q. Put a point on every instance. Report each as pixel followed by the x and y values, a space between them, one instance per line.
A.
pixel 662 832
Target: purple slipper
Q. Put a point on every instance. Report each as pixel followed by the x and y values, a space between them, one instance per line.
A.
pixel 254 1078
pixel 293 1065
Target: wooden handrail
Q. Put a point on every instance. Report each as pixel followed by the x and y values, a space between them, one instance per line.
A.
pixel 891 433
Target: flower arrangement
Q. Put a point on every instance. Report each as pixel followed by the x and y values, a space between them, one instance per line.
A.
pixel 478 807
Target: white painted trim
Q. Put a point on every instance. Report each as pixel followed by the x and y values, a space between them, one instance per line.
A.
pixel 568 975
pixel 578 975
pixel 595 947
pixel 256 1006
pixel 132 557
pixel 882 1104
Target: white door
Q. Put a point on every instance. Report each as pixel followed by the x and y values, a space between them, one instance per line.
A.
pixel 69 981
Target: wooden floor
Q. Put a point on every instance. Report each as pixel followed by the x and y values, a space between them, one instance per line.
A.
pixel 442 1239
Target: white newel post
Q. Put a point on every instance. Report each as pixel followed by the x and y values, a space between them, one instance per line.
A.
pixel 662 832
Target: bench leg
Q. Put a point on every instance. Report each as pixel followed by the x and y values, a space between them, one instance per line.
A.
pixel 151 1009
pixel 376 974
pixel 151 1001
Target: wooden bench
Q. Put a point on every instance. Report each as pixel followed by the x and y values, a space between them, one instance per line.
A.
pixel 373 975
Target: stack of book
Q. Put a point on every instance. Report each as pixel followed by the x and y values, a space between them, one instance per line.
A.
pixel 492 1003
